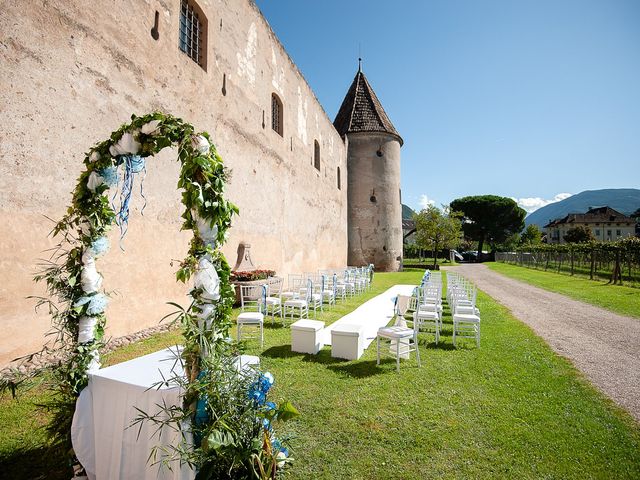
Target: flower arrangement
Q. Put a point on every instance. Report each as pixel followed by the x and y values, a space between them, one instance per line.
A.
pixel 251 275
pixel 78 305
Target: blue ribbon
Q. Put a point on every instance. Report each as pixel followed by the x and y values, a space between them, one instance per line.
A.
pixel 133 164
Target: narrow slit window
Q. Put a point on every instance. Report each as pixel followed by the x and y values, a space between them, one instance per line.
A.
pixel 338 175
pixel 316 155
pixel 193 32
pixel 276 114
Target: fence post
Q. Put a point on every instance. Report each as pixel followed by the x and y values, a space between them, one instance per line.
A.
pixel 571 253
pixel 593 262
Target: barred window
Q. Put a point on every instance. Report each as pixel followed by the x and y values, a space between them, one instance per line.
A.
pixel 316 155
pixel 193 32
pixel 276 114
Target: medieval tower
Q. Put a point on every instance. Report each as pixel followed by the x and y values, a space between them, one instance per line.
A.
pixel 374 212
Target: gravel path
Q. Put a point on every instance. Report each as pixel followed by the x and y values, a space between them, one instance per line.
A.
pixel 603 345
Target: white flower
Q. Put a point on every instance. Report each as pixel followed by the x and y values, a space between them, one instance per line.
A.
pixel 281 457
pixel 127 144
pixel 94 181
pixel 200 144
pixel 94 157
pixel 151 128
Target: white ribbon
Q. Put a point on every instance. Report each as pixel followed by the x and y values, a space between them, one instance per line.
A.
pixel 90 279
pixel 208 233
pixel 86 329
pixel 207 279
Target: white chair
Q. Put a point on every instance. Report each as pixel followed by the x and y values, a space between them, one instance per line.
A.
pixel 298 305
pixel 274 300
pixel 253 304
pixel 293 286
pixel 316 297
pixel 466 325
pixel 329 290
pixel 426 318
pixel 341 287
pixel 404 338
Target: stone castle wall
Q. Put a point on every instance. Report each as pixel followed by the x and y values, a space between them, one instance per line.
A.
pixel 73 71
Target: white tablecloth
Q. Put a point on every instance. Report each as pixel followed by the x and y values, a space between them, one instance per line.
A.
pixel 103 442
pixel 373 314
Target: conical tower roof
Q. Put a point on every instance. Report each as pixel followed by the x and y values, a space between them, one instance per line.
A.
pixel 361 111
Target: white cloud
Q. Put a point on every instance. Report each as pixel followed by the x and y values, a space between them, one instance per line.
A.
pixel 426 201
pixel 531 204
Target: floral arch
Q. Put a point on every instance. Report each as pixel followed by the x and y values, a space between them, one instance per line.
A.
pixel 77 303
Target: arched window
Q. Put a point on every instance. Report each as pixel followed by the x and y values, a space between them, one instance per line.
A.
pixel 276 114
pixel 193 32
pixel 338 174
pixel 316 155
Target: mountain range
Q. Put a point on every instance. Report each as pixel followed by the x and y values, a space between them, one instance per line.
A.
pixel 624 200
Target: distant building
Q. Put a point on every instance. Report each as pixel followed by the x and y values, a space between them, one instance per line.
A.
pixel 606 224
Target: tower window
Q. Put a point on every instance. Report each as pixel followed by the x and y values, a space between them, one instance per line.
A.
pixel 193 31
pixel 316 155
pixel 338 175
pixel 276 114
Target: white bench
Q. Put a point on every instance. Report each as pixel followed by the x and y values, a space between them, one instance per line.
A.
pixel 347 341
pixel 306 336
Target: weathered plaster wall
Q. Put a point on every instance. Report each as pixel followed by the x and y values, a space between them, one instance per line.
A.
pixel 375 210
pixel 72 71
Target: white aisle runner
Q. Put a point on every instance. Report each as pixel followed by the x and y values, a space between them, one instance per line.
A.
pixel 372 314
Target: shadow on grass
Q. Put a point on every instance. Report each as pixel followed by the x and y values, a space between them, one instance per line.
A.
pixel 280 351
pixel 35 463
pixel 360 369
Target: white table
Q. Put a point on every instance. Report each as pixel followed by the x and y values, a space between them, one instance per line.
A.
pixel 102 439
pixel 373 314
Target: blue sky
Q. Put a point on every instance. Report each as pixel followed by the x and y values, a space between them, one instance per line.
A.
pixel 525 99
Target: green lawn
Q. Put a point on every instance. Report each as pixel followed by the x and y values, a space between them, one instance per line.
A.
pixel 511 409
pixel 621 299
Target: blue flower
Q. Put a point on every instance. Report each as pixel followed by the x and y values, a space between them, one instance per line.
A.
pixel 265 381
pixel 109 175
pixel 100 246
pixel 266 424
pixel 257 396
pixel 270 406
pixel 97 304
pixel 137 163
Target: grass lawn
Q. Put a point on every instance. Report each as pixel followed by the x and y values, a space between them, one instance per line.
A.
pixel 511 409
pixel 621 299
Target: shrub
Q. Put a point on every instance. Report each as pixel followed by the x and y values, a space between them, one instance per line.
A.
pixel 252 275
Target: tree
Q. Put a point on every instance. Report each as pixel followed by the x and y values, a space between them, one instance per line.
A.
pixel 578 234
pixel 436 230
pixel 489 217
pixel 531 236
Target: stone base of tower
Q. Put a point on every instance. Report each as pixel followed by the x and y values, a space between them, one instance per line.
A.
pixel 389 260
